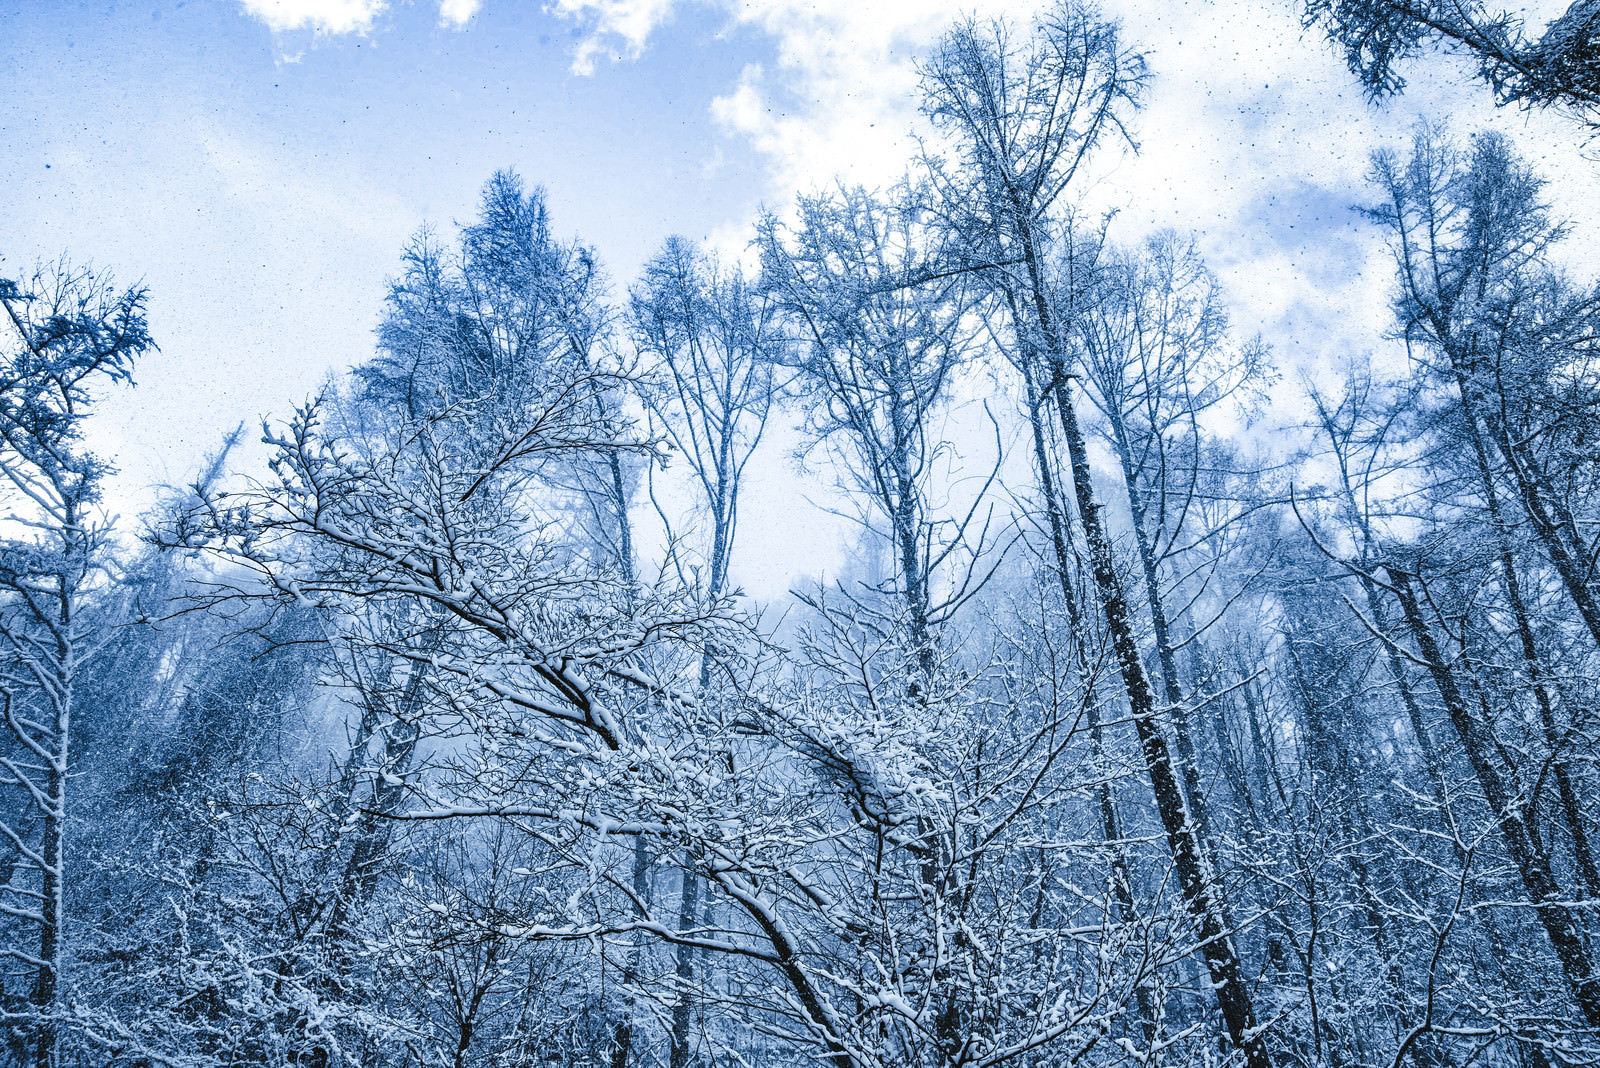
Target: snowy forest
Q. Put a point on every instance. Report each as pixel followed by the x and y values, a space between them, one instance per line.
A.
pixel 1139 730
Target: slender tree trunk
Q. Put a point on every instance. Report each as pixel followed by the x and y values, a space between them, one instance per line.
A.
pixel 1544 894
pixel 683 1008
pixel 623 1035
pixel 59 692
pixel 1110 829
pixel 689 958
pixel 622 1038
pixel 1571 812
pixel 1567 558
pixel 905 518
pixel 375 826
pixel 1194 877
pixel 52 904
pixel 1189 760
pixel 1557 537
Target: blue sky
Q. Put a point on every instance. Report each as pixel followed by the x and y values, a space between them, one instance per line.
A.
pixel 263 201
pixel 260 163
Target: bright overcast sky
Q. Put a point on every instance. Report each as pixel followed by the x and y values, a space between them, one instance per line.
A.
pixel 259 163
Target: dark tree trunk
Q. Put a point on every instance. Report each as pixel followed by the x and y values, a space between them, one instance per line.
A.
pixel 1544 894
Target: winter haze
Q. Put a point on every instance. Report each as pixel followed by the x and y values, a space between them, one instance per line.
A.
pixel 866 534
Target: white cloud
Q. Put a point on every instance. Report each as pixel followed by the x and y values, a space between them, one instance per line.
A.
pixel 1254 135
pixel 455 14
pixel 346 16
pixel 609 22
pixel 323 16
pixel 840 98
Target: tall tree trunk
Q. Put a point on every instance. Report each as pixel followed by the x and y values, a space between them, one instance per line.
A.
pixel 623 1034
pixel 679 1051
pixel 1161 628
pixel 1194 875
pixel 1110 829
pixel 1567 795
pixel 375 826
pixel 1544 894
pixel 52 904
pixel 689 959
pixel 61 666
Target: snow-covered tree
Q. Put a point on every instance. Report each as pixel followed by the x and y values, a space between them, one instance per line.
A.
pixel 70 334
